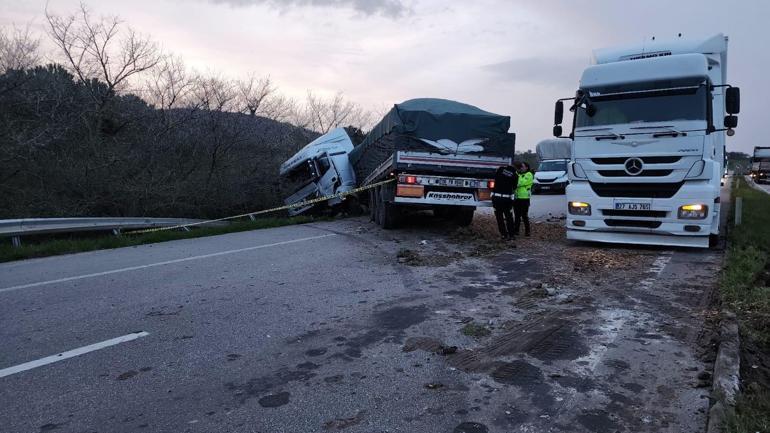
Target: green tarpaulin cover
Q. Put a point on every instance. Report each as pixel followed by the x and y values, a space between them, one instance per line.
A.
pixel 416 120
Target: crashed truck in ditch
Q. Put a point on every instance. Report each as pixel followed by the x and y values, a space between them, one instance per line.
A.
pixel 319 169
pixel 433 154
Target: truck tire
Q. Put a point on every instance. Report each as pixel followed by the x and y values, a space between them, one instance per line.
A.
pixel 464 216
pixel 377 205
pixel 372 204
pixel 391 216
pixel 387 211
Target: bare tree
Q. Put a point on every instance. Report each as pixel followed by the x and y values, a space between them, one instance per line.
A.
pixel 170 84
pixel 324 114
pixel 254 93
pixel 216 94
pixel 260 97
pixel 104 49
pixel 18 49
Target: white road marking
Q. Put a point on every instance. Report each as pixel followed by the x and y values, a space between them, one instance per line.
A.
pixel 152 265
pixel 70 354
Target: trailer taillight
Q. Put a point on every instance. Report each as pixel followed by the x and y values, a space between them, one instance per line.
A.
pixel 491 184
pixel 415 191
pixel 411 180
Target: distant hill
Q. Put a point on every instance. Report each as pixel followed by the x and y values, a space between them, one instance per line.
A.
pixel 63 154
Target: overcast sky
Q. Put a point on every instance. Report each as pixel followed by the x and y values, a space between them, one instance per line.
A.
pixel 510 57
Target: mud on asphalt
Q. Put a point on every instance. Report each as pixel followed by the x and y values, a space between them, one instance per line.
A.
pixel 580 337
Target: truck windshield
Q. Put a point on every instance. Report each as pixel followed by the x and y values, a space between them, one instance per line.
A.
pixel 656 105
pixel 553 166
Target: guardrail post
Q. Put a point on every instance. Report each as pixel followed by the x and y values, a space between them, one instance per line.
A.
pixel 738 210
pixel 16 240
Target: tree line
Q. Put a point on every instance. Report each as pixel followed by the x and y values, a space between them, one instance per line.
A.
pixel 117 127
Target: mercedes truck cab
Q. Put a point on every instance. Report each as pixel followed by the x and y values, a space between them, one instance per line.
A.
pixel 648 132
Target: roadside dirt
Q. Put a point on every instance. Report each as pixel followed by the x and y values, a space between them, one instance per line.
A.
pixel 541 334
pixel 581 338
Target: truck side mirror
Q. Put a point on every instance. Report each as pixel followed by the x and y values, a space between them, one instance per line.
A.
pixel 557 130
pixel 731 122
pixel 733 100
pixel 558 113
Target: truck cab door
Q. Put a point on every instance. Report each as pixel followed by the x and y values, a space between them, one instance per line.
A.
pixel 328 176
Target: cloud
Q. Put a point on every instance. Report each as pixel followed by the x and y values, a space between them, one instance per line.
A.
pixel 387 8
pixel 548 71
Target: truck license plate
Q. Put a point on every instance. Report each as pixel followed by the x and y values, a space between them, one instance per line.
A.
pixel 449 196
pixel 632 206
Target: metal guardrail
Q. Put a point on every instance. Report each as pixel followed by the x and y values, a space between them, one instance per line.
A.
pixel 755 185
pixel 16 228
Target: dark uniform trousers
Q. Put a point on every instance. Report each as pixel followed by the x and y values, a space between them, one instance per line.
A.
pixel 521 210
pixel 503 215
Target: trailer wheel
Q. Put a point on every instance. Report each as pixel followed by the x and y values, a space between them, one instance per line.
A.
pixel 464 216
pixel 391 215
pixel 377 205
pixel 388 213
pixel 372 205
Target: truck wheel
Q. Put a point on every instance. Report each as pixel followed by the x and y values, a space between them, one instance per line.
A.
pixel 713 241
pixel 387 212
pixel 377 205
pixel 391 216
pixel 372 204
pixel 464 216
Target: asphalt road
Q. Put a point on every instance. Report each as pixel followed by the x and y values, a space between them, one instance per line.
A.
pixel 312 328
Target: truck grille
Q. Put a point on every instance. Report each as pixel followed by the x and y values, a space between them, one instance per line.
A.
pixel 640 190
pixel 635 213
pixel 546 180
pixel 645 159
pixel 632 223
pixel 647 173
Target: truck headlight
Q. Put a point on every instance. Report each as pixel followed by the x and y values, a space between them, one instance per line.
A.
pixel 579 208
pixel 693 211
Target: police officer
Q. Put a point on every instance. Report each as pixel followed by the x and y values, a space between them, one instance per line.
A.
pixel 502 199
pixel 521 199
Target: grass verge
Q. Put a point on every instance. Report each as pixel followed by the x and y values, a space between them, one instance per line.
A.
pixel 54 247
pixel 745 289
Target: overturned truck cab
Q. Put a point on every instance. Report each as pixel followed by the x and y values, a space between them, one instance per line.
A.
pixel 319 169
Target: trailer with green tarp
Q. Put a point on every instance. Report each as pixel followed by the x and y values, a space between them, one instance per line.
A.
pixel 440 154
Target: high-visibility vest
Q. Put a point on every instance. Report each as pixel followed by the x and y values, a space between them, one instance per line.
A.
pixel 525 185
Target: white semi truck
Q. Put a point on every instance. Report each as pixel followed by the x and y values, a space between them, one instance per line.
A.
pixel 649 130
pixel 760 164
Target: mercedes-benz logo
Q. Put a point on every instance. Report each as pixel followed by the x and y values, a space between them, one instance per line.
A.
pixel 633 166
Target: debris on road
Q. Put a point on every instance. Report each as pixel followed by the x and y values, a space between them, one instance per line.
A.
pixel 343 423
pixel 475 330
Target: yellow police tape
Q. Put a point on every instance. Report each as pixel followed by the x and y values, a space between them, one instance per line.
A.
pixel 275 209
